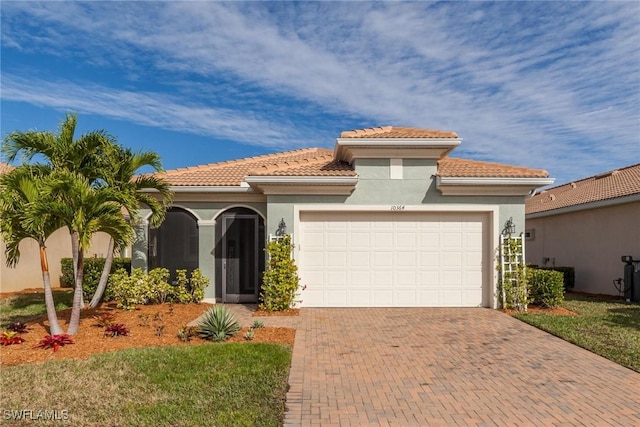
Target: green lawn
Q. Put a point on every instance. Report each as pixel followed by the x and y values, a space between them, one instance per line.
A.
pixel 24 307
pixel 205 385
pixel 608 327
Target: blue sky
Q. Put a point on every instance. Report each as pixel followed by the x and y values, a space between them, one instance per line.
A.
pixel 552 85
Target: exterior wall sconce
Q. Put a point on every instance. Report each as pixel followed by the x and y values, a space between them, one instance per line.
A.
pixel 509 227
pixel 282 228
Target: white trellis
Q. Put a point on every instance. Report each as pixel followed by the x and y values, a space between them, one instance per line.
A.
pixel 512 270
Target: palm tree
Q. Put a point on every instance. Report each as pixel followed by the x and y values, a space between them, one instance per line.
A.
pixel 85 156
pixel 85 209
pixel 24 215
pixel 121 177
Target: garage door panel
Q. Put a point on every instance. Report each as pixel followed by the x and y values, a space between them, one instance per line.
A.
pixel 360 259
pixel 393 258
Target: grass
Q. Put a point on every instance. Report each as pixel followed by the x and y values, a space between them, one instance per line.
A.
pixel 24 307
pixel 210 384
pixel 608 327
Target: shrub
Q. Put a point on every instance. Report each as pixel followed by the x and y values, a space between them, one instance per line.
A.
pixel 154 288
pixel 92 271
pixel 54 341
pixel 280 280
pixel 218 324
pixel 116 330
pixel 10 338
pixel 127 289
pixel 546 287
pixel 197 284
pixel 569 275
pixel 249 334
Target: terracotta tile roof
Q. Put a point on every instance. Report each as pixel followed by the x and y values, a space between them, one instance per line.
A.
pixel 232 173
pixel 397 132
pixel 5 168
pixel 454 167
pixel 321 165
pixel 609 185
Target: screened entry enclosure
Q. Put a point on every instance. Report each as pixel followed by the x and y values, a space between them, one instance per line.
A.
pixel 174 245
pixel 239 255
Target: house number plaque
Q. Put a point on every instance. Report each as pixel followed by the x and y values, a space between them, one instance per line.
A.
pixel 397 207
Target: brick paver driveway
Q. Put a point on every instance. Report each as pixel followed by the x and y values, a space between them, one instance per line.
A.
pixel 431 367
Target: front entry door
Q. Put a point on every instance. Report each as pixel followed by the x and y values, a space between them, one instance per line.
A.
pixel 240 258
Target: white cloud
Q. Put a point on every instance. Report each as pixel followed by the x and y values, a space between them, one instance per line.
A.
pixel 540 84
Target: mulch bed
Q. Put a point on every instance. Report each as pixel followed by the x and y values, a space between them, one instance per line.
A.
pixel 558 311
pixel 144 324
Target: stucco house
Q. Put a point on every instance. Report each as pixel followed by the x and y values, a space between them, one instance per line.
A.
pixel 387 218
pixel 28 273
pixel 589 225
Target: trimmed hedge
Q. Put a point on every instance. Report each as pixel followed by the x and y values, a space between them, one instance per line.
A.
pixel 546 287
pixel 569 275
pixel 92 270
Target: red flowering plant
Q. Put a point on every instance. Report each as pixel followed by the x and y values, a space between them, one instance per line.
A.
pixel 54 341
pixel 10 337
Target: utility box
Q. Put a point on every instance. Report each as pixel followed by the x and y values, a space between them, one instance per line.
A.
pixel 631 278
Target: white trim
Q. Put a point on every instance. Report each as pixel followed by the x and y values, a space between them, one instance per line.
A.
pixel 455 180
pixel 482 186
pixel 242 188
pixel 303 185
pixel 209 301
pixel 307 180
pixel 207 222
pixel 197 217
pixel 349 149
pixel 586 206
pixel 221 211
pixel 395 169
pixel 492 210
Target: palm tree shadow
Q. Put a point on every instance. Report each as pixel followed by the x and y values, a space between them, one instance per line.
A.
pixel 627 317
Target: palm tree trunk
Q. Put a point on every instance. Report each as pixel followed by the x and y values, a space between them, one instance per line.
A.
pixel 75 250
pixel 52 316
pixel 78 301
pixel 104 277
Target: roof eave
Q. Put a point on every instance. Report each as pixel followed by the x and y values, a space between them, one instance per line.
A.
pixel 349 149
pixel 485 186
pixel 585 206
pixel 332 185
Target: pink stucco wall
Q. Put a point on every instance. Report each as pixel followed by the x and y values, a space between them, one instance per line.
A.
pixel 590 240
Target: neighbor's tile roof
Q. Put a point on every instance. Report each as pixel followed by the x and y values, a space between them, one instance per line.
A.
pixel 397 132
pixel 5 168
pixel 609 185
pixel 309 161
pixel 454 167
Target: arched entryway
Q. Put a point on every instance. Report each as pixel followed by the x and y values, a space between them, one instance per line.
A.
pixel 174 245
pixel 240 255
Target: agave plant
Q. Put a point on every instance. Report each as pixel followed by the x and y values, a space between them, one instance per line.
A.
pixel 249 334
pixel 218 324
pixel 257 324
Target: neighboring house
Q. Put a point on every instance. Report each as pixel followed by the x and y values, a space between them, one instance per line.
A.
pixel 387 218
pixel 589 225
pixel 28 273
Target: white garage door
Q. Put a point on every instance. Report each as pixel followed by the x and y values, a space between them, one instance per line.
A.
pixel 392 259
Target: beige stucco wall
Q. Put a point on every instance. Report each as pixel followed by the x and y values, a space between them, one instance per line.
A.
pixel 592 241
pixel 28 274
